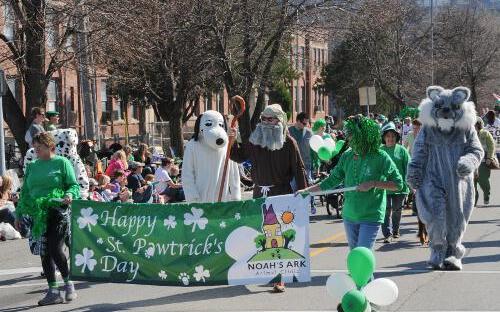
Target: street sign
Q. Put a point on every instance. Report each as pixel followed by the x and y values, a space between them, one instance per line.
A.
pixel 367 96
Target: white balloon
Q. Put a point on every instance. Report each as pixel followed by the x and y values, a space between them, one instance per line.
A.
pixel 368 307
pixel 330 143
pixel 316 142
pixel 337 285
pixel 381 291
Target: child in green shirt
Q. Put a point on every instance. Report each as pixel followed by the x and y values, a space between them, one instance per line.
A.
pixel 373 172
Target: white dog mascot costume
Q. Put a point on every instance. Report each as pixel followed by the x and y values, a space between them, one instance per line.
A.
pixel 203 162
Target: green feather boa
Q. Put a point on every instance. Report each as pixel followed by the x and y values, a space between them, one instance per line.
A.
pixel 39 210
pixel 363 135
pixel 409 111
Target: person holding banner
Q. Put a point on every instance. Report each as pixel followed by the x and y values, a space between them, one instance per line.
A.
pixel 275 158
pixel 48 190
pixel 369 169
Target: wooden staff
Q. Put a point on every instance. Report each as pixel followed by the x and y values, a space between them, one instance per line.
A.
pixel 241 102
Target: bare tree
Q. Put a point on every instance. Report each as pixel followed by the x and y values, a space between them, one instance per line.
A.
pixel 468 48
pixel 37 41
pixel 164 62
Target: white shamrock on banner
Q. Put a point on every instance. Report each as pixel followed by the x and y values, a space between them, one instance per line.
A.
pixel 195 219
pixel 237 216
pixel 100 241
pixel 222 225
pixel 184 278
pixel 162 275
pixel 149 252
pixel 201 273
pixel 87 219
pixel 86 259
pixel 170 223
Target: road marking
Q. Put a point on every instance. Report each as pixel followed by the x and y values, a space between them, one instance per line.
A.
pixel 23 285
pixel 21 271
pixel 402 270
pixel 321 250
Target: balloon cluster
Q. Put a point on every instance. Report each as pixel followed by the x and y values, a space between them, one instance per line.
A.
pixel 353 292
pixel 325 148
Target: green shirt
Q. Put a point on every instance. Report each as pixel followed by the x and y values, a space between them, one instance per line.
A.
pixel 401 158
pixel 50 127
pixel 353 170
pixel 43 176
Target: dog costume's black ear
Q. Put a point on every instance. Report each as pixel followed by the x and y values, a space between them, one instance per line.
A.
pixel 434 91
pixel 196 133
pixel 460 95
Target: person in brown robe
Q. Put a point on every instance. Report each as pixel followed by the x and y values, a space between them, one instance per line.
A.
pixel 274 156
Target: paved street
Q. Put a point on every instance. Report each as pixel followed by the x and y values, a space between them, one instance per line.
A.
pixel 475 288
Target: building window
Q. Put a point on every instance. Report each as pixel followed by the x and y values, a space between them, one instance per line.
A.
pixel 303 58
pixel 207 102
pixel 9 22
pixel 296 55
pixel 119 110
pixel 104 95
pixel 52 32
pixel 297 101
pixel 13 84
pixel 52 95
pixel 323 60
pixel 135 112
pixel 303 102
pixel 220 102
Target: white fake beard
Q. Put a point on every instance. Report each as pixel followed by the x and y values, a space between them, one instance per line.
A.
pixel 268 136
pixel 445 125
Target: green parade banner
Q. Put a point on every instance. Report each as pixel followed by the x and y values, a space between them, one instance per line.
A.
pixel 255 241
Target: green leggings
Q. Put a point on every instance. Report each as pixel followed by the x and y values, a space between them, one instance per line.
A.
pixel 484 181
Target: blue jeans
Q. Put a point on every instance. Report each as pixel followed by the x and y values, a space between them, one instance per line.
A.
pixel 361 234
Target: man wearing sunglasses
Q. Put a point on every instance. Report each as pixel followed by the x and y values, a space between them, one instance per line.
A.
pixel 274 156
pixel 36 127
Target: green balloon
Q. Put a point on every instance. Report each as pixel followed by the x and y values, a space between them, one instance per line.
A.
pixel 354 301
pixel 361 264
pixel 338 146
pixel 324 153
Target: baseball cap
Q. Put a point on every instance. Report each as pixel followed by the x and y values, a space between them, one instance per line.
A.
pixel 135 164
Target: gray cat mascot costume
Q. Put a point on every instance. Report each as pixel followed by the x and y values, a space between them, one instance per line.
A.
pixel 446 153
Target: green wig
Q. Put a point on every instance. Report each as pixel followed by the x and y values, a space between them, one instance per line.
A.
pixel 363 135
pixel 318 124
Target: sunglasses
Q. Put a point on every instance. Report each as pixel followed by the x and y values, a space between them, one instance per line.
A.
pixel 268 119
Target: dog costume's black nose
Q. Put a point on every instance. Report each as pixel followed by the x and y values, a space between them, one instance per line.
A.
pixel 446 109
pixel 219 141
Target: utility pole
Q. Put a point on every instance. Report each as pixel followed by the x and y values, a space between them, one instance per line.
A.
pixel 432 42
pixel 3 86
pixel 83 75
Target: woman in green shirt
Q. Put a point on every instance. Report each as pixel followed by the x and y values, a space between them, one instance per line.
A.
pixel 369 169
pixel 395 200
pixel 49 177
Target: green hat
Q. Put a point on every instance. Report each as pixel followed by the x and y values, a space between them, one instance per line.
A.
pixel 389 127
pixel 318 124
pixel 51 114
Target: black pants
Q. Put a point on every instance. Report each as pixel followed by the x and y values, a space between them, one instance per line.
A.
pixel 54 254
